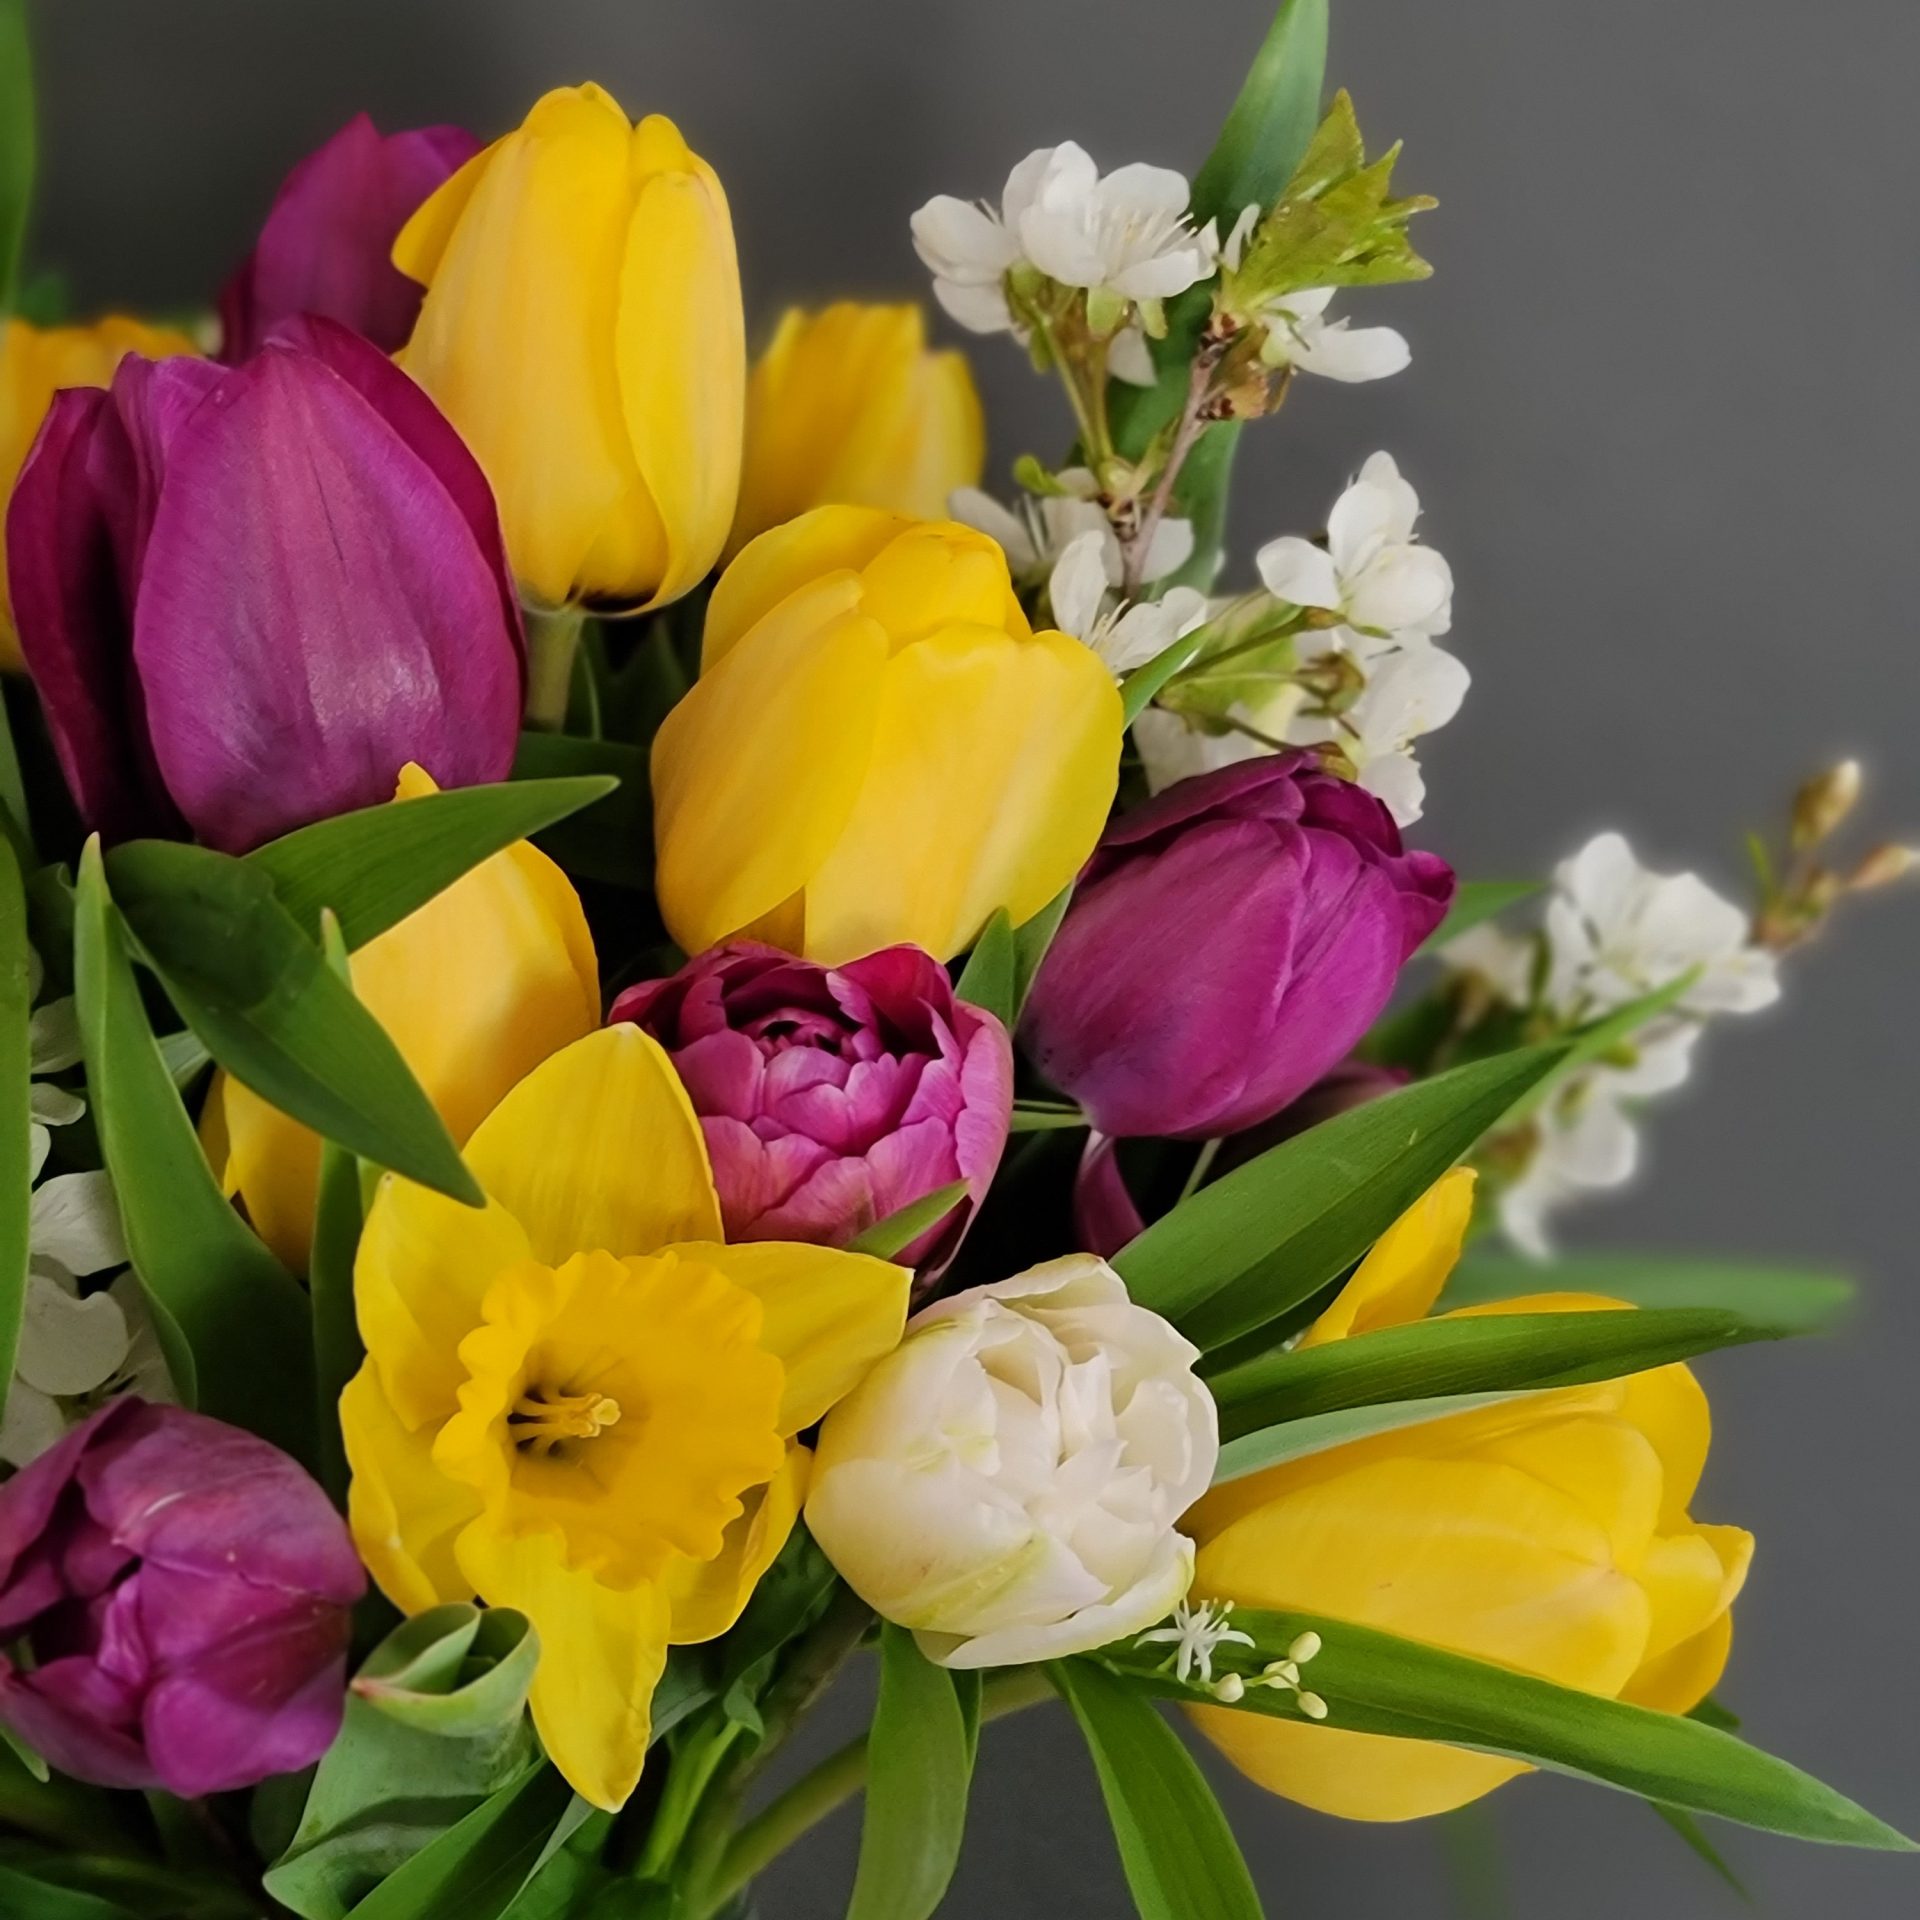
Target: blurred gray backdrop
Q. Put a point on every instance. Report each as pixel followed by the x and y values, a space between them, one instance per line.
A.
pixel 1662 413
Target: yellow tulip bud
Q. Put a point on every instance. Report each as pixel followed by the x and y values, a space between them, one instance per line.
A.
pixel 1551 1534
pixel 582 329
pixel 476 989
pixel 847 407
pixel 35 363
pixel 879 748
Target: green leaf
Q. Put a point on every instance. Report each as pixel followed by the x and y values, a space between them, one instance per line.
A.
pixel 916 1812
pixel 16 823
pixel 1031 939
pixel 1476 902
pixel 17 142
pixel 25 1897
pixel 1788 1298
pixel 435 1726
pixel 232 1321
pixel 1180 1857
pixel 612 840
pixel 568 1875
pixel 1379 1683
pixel 1259 1447
pixel 990 977
pixel 900 1230
pixel 16 1079
pixel 337 1220
pixel 1492 1353
pixel 1688 1828
pixel 267 1006
pixel 1272 122
pixel 25 1755
pixel 1033 1116
pixel 376 866
pixel 1251 1245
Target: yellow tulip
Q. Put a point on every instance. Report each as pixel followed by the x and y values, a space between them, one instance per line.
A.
pixel 577 1402
pixel 35 363
pixel 879 748
pixel 847 407
pixel 582 329
pixel 476 988
pixel 1550 1534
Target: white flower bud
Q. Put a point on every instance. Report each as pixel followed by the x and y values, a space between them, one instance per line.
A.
pixel 1006 1482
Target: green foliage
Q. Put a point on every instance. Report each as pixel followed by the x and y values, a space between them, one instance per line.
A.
pixel 1379 1683
pixel 436 1725
pixel 1179 1855
pixel 921 1763
pixel 989 980
pixel 611 840
pixel 17 143
pixel 1785 1298
pixel 16 1063
pixel 1271 122
pixel 263 1001
pixel 1256 1447
pixel 1477 902
pixel 887 1237
pixel 232 1321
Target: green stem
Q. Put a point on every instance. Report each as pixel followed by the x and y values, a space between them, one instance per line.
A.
pixel 1202 1166
pixel 553 639
pixel 833 1783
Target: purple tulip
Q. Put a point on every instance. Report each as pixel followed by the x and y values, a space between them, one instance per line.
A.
pixel 1228 943
pixel 831 1097
pixel 328 242
pixel 183 1593
pixel 249 596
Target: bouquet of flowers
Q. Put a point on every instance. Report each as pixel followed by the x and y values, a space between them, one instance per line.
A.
pixel 648 1046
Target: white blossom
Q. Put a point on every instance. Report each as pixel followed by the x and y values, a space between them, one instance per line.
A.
pixel 1372 572
pixel 1173 747
pixel 1034 533
pixel 1299 334
pixel 1126 236
pixel 1125 634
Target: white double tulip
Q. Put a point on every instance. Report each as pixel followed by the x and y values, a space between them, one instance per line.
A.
pixel 1008 1480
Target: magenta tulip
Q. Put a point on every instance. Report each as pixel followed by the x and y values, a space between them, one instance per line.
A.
pixel 250 596
pixel 177 1596
pixel 831 1097
pixel 1229 942
pixel 327 244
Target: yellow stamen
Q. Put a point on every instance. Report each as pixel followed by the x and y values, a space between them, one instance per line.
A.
pixel 542 1423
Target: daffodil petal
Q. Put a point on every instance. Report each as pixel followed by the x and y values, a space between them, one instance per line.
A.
pixel 829 1315
pixel 598 1149
pixel 1401 1278
pixel 708 1596
pixel 829 540
pixel 602 1651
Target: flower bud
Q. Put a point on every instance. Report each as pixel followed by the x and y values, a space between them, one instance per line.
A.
pixel 1228 944
pixel 1882 868
pixel 582 329
pixel 182 1592
pixel 1007 1481
pixel 833 1097
pixel 1824 802
pixel 35 364
pixel 847 407
pixel 879 749
pixel 250 595
pixel 327 245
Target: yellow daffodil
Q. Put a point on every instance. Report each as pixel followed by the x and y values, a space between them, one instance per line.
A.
pixel 1550 1534
pixel 582 329
pixel 35 363
pixel 476 988
pixel 579 1403
pixel 848 407
pixel 879 748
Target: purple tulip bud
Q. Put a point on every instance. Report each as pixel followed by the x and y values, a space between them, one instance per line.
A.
pixel 183 1593
pixel 1228 943
pixel 250 596
pixel 327 244
pixel 831 1097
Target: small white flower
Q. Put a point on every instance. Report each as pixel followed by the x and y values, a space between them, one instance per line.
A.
pixel 1035 532
pixel 1372 572
pixel 1124 634
pixel 1173 748
pixel 1503 962
pixel 1197 1634
pixel 1126 235
pixel 1618 931
pixel 1299 334
pixel 1410 691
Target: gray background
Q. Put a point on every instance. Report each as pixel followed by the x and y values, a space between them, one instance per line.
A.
pixel 1661 411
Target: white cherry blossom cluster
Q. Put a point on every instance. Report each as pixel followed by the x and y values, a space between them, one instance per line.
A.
pixel 1614 931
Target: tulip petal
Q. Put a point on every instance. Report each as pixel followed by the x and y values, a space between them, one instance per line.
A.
pixel 829 1315
pixel 680 352
pixel 314 612
pixel 1006 748
pixel 602 1651
pixel 1401 1278
pixel 758 769
pixel 708 1596
pixel 598 1149
pixel 827 541
pixel 405 1513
